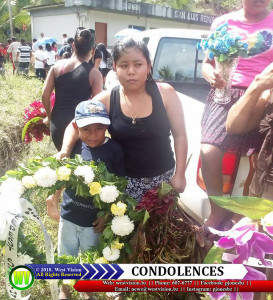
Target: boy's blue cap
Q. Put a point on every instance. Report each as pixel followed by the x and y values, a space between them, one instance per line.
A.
pixel 91 112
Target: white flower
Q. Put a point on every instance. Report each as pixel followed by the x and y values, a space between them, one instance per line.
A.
pixel 28 182
pixel 11 188
pixel 45 177
pixel 109 193
pixel 111 254
pixel 24 259
pixel 86 172
pixel 122 225
pixel 4 226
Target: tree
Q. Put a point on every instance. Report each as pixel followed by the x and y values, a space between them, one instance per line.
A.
pixel 20 17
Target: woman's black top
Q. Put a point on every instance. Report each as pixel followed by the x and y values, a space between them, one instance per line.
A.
pixel 146 144
pixel 70 88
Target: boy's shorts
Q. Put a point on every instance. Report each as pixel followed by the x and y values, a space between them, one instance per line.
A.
pixel 72 238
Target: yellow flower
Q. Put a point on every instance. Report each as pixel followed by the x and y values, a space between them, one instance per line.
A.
pixel 3 251
pixel 117 245
pixel 63 173
pixel 94 188
pixel 101 260
pixel 70 282
pixel 118 209
pixel 28 182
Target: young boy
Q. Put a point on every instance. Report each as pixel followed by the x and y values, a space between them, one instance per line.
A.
pixel 79 226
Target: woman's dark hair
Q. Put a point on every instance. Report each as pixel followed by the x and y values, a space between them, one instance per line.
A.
pixel 84 41
pixel 129 43
pixel 48 47
pixel 104 51
pixel 53 44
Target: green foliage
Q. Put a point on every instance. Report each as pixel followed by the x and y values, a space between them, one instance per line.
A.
pixel 214 256
pixel 165 73
pixel 251 207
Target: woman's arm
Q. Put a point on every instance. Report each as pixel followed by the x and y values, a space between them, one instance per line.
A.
pixel 246 114
pixel 211 74
pixel 176 117
pixel 95 81
pixel 47 90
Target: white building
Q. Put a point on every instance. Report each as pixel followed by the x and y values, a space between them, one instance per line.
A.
pixel 107 17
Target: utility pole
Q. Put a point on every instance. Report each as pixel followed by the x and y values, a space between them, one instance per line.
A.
pixel 10 19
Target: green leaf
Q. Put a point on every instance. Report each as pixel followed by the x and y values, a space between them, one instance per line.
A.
pixel 164 189
pixel 13 173
pixel 251 207
pixel 214 255
pixel 146 217
pixel 30 122
pixel 108 233
pixel 128 248
pixel 101 167
pixel 97 202
pixel 100 214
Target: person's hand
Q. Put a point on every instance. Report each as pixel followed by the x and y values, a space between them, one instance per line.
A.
pixel 216 80
pixel 179 183
pixel 265 79
pixel 99 225
pixel 61 154
pixel 46 121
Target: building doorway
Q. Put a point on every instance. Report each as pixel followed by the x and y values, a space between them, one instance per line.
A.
pixel 101 33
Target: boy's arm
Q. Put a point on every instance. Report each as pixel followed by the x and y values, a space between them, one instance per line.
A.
pixel 71 136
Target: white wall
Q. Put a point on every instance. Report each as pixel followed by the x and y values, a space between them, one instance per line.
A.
pixel 55 26
pixel 117 22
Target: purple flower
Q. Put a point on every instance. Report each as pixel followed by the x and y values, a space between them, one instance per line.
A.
pixel 247 241
pixel 252 274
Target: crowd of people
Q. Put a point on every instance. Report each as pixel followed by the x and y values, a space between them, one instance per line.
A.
pixel 42 54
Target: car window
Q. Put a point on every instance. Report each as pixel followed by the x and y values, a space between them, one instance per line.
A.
pixel 178 59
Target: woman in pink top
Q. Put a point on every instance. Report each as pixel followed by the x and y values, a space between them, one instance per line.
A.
pixel 254 18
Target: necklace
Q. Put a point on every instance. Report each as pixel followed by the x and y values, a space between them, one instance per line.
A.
pixel 133 117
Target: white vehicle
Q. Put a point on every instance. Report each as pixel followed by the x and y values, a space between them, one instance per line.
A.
pixel 177 61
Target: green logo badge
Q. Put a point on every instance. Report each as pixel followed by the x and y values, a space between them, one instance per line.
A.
pixel 21 277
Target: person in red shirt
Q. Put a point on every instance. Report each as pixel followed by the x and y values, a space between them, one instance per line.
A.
pixel 3 53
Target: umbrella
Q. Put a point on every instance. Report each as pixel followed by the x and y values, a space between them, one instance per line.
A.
pixel 127 32
pixel 46 40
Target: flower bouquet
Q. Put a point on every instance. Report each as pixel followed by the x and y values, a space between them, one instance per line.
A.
pixel 33 125
pixel 248 242
pixel 225 46
pixel 87 179
pixel 169 235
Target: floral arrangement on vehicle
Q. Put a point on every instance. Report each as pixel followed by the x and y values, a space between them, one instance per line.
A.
pixel 33 125
pixel 247 242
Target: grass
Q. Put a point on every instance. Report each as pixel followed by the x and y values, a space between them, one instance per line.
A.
pixel 16 93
